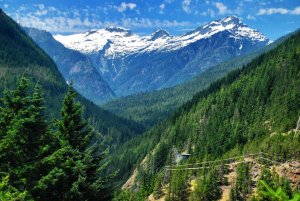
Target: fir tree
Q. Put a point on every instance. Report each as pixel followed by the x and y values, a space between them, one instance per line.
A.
pixel 72 126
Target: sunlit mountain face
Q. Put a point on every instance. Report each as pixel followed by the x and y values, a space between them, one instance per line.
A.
pixel 131 63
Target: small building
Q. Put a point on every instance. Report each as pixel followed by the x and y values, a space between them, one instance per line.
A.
pixel 182 157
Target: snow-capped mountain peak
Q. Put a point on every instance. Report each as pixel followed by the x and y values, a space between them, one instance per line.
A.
pixel 231 19
pixel 122 41
pixel 231 24
pixel 132 63
pixel 159 34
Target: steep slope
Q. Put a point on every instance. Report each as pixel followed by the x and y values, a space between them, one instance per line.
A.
pixel 131 63
pixel 150 108
pixel 73 65
pixel 252 109
pixel 20 56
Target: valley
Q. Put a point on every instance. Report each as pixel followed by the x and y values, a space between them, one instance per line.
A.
pixel 206 111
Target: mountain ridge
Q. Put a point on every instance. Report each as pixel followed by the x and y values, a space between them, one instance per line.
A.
pixel 202 32
pixel 130 63
pixel 74 66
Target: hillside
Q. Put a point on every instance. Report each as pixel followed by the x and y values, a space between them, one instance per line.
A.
pixel 20 56
pixel 150 108
pixel 252 109
pixel 74 66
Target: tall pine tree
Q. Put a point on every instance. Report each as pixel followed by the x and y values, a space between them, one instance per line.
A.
pixel 72 126
pixel 48 164
pixel 23 132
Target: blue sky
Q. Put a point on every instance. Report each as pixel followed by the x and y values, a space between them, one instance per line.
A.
pixel 274 18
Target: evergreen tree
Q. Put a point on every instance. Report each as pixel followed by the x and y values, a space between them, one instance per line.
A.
pixel 24 133
pixel 207 187
pixel 49 165
pixel 178 187
pixel 9 193
pixel 81 172
pixel 72 126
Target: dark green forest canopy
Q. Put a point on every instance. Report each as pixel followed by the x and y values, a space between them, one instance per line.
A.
pixel 20 56
pixel 236 114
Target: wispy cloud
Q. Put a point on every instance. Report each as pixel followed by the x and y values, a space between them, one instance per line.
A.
pixel 151 23
pixel 223 9
pixel 283 11
pixel 186 6
pixel 74 20
pixel 124 6
pixel 250 17
pixel 296 11
pixel 161 8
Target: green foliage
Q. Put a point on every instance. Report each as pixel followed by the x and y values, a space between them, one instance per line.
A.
pixel 277 194
pixel 243 184
pixel 72 126
pixel 48 164
pixel 157 189
pixel 207 186
pixel 178 186
pixel 273 187
pixel 9 193
pixel 25 134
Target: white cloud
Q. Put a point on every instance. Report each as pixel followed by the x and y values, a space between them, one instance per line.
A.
pixel 5 5
pixel 250 17
pixel 296 11
pixel 283 11
pixel 51 8
pixel 161 8
pixel 41 12
pixel 271 11
pixel 124 6
pixel 74 24
pixel 40 6
pixel 75 20
pixel 221 8
pixel 151 23
pixel 186 6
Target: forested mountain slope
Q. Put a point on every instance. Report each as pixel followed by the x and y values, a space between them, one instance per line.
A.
pixel 151 107
pixel 74 66
pixel 252 109
pixel 20 56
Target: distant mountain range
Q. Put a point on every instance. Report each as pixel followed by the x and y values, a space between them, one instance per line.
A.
pixel 115 62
